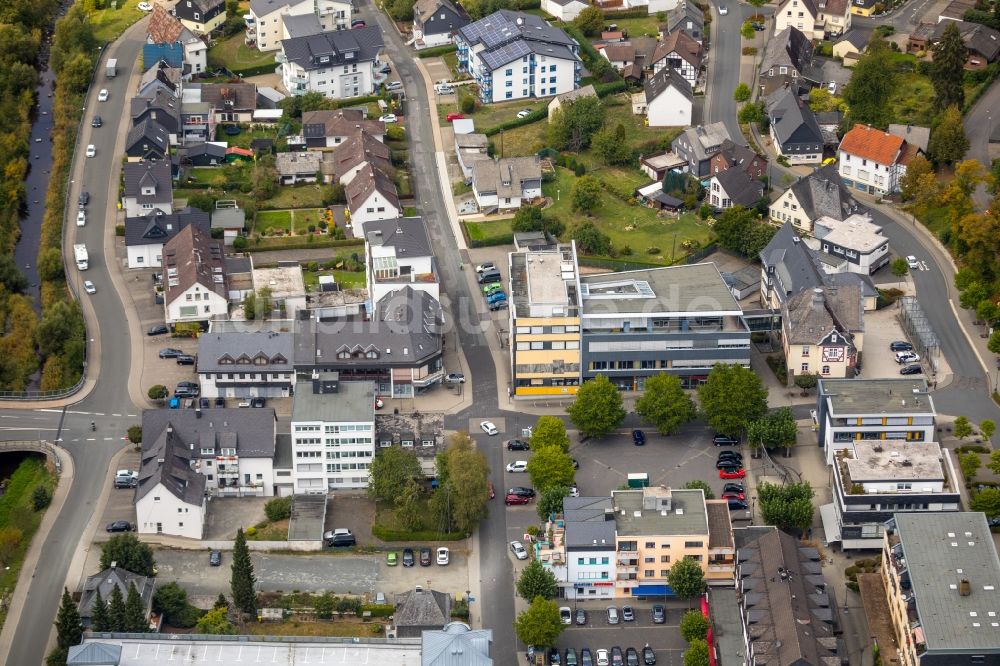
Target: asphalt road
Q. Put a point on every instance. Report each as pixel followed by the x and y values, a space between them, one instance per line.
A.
pixel 978 128
pixel 725 52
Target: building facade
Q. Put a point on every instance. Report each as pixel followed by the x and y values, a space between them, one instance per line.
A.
pixel 873 161
pixel 264 26
pixel 337 64
pixel 246 364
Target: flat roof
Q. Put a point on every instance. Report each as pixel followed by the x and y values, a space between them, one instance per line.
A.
pixel 941 550
pixel 547 274
pixel 887 460
pixel 850 397
pixel 353 401
pixel 687 514
pixel 692 289
pixel 857 232
pixel 281 280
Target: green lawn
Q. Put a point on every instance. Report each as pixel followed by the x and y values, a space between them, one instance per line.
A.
pixel 346 279
pixel 481 231
pixel 912 99
pixel 233 54
pixel 451 59
pixel 273 220
pixel 109 24
pixel 295 196
pixel 637 27
pixel 491 115
pixel 522 141
pixel 243 139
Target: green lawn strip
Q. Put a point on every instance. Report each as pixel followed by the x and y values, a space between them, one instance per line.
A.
pixel 346 279
pixel 233 53
pixel 269 221
pixel 295 196
pixel 109 24
pixel 521 141
pixel 637 27
pixel 451 59
pixel 481 231
pixel 243 139
pixel 490 115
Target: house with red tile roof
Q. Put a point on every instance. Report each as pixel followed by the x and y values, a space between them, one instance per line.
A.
pixel 872 160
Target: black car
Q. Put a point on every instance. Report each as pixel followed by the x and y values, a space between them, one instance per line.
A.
pixel 733 460
pixel 900 345
pixel 518 445
pixel 408 557
pixel 83 199
pixel 215 558
pixel 185 359
pixel 554 657
pixel 628 613
pixel 522 491
pixel 725 440
pixel 631 657
pixel 586 659
pixel 204 403
pixel 170 352
pixel 581 617
pixel 119 526
pixel 726 463
pixel 638 437
pixel 616 657
pixel 498 305
pixel 187 384
pixel 96 122
pixel 912 369
pixel 729 454
pixel 220 402
pixel 489 277
pixel 258 402
pixel 737 504
pixel 425 557
pixel 648 656
pixel 659 614
pixel 159 329
pixel 733 487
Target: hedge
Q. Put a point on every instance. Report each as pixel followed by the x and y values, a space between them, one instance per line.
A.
pixel 356 101
pixel 612 88
pixel 386 534
pixel 255 70
pixel 533 117
pixel 507 239
pixel 377 610
pixel 435 51
pixel 611 15
pixel 590 54
pixel 347 242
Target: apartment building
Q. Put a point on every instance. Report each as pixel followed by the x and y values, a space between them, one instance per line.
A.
pixel 244 364
pixel 333 433
pixel 265 25
pixel 940 573
pixel 581 553
pixel 336 64
pixel 872 409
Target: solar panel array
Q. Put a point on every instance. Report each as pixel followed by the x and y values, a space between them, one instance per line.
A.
pixel 507 53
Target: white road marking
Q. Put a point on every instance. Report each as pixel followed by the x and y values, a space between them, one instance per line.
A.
pixel 91 439
pixel 116 415
pixel 54 411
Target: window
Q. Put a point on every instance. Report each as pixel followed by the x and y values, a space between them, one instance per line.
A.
pixel 825 370
pixel 509 72
pixel 664 559
pixel 804 368
pixel 694 544
pixel 649 560
pixel 650 544
pixel 805 351
pixel 664 573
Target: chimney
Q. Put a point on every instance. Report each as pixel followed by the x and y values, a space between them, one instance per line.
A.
pixel 964 587
pixel 817 299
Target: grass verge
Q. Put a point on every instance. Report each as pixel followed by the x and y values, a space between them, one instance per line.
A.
pixel 109 23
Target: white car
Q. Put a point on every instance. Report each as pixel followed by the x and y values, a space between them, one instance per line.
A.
pixel 912 262
pixel 518 550
pixel 145 7
pixel 89 287
pixel 388 118
pixel 723 10
pixel 81 218
pixel 602 658
pixel 486 266
pixel 518 466
pixel 489 427
pixel 103 95
pixel 394 85
pixel 443 556
pixel 524 113
pixel 907 357
pixel 831 87
pixel 91 151
pixel 566 615
pixel 574 491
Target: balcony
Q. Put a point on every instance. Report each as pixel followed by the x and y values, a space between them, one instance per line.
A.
pixel 627 558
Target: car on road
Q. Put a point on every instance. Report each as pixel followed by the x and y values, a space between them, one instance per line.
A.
pixel 725 440
pixel 145 7
pixel 574 490
pixel 900 345
pixel 489 428
pixel 455 378
pixel 103 95
pixel 638 437
pixel 497 305
pixel 730 487
pixel 388 118
pixel 89 287
pixel 631 657
pixel 83 199
pixel 81 218
pixel 408 559
pixel 659 614
pixel 496 297
pixel 521 490
pixel 517 466
pixel 425 557
pixel 357 23
pixel 723 10
pixel 158 329
pixel 628 614
pixel 215 558
pixel 581 617
pixel 443 556
pixel 758 26
pixel 170 352
pixel 486 266
pixel 119 526
pixel 912 262
pixel 907 357
pixel 565 615
pixel 487 277
pixel 518 549
pixel 648 656
pixel 911 370
pixel 737 504
pixel 602 658
pixel 185 359
pixel 391 558
pixel 516 500
pixel 613 617
pixel 524 113
pixel 518 445
pixel 91 151
pixel 96 122
pixel 732 473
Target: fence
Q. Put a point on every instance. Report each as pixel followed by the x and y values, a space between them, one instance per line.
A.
pixel 919 330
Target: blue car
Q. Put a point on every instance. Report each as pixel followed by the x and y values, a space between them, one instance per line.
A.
pixel 175 403
pixel 496 297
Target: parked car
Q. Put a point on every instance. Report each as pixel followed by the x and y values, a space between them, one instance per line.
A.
pixel 126 478
pixel 581 617
pixel 732 494
pixel 103 95
pixel 911 370
pixel 521 490
pixel 638 437
pixel 571 659
pixel 731 486
pixel 220 402
pixel 900 345
pixel 357 23
pixel 723 10
pixel 518 445
pixel 490 288
pixel 659 614
pixel 393 85
pixel 489 428
pixel 496 297
pixel 185 359
pixel 613 617
pixel 489 276
pixel 725 440
pixel 408 559
pixel 737 504
pixel 517 466
pixel 725 463
pixel 215 558
pixel 258 402
pixel 912 262
pixel 443 556
pixel 617 658
pixel 244 403
pixel 732 473
pixel 145 7
pixel 89 287
pixel 831 87
pixel 170 352
pixel 455 116
pixel 907 357
pixel 585 657
pixel 723 455
pixel 119 526
pixel 455 378
pixel 204 403
pixel 518 549
pixel 574 491
pixel 486 266
pixel 648 656
pixel 391 558
pixel 158 329
pixel 339 538
pixel 628 614
pixel 81 218
pixel 631 657
pixel 385 68
pixel 425 557
pixel 497 305
pixel 602 658
pixel 566 615
pixel 388 118
pixel 555 659
pixel 524 113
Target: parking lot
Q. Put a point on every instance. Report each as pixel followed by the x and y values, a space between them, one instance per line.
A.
pixel 665 639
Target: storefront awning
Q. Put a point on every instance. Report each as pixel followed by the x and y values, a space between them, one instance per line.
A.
pixel 831 526
pixel 652 591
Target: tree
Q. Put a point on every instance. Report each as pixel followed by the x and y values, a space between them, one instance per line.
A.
pixel 536 581
pixel 698 484
pixel 41 498
pixel 462 476
pixel 988 427
pixel 128 553
pixel 50 264
pixel 694 626
pixel 591 240
pixel 597 409
pixel 69 630
pixel 821 101
pixel 899 267
pixel 687 579
pixel 948 143
pixel 135 434
pixel 986 311
pixel 540 624
pixel 788 506
pixel 747 32
pixel 99 618
pixel 806 381
pixel 986 500
pixel 135 616
pixel 962 427
pixel 586 194
pixel 732 398
pixel 776 429
pixel 549 431
pixel 871 85
pixel 969 462
pixel 947 71
pixel 278 508
pixel 751 113
pixel 549 466
pixel 742 93
pixel 10 539
pixel 575 123
pixel 216 623
pixel 158 392
pixel 697 652
pixel 994 343
pixel 994 463
pixel 265 178
pixel 739 229
pixel 910 183
pixel 170 600
pixel 551 501
pixel 390 470
pixel 242 582
pixel 611 143
pixel 664 404
pixel 116 610
pixel 590 21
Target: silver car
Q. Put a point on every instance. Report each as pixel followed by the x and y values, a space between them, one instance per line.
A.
pixel 613 617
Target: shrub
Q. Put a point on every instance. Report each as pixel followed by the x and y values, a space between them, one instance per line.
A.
pixel 468 104
pixel 157 392
pixel 395 133
pixel 279 508
pixel 652 250
pixel 119 230
pixel 41 498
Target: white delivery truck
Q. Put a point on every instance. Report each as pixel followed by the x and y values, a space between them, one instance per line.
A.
pixel 112 68
pixel 82 261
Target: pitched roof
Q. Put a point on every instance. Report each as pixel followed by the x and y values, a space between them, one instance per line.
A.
pixel 743 189
pixel 338 46
pixel 792 119
pixel 792 263
pixel 912 134
pixel 301 25
pixel 340 122
pixel 667 77
pixel 166 460
pixel 427 14
pixel 456 645
pixel 422 609
pixel 978 38
pixel 265 7
pixel 823 193
pixel 704 138
pixel 304 162
pixel 230 96
pixel 407 235
pixel 157 227
pixel 505 176
pixel 788 48
pixel 682 44
pixel 149 136
pixel 94 654
pixel 873 144
pixel 105 582
pixel 161 99
pixel 163 28
pixel 808 4
pixel 367 181
pixel 720 524
pixel 688 17
pixel 856 37
pixel 227 351
pixel 834 7
pixel 737 156
pixel 619 52
pixel 193 257
pixel 151 173
pixel 508 35
pixel 812 314
pixel 575 94
pixel 586 523
pixel 359 148
pixel 168 76
pixel 249 431
pixel 212 149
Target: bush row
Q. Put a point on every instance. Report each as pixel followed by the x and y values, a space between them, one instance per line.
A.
pixel 386 534
pixel 306 245
pixel 533 117
pixel 436 51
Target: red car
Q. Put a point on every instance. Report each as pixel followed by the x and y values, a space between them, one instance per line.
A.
pixel 733 495
pixel 455 116
pixel 489 487
pixel 516 499
pixel 731 473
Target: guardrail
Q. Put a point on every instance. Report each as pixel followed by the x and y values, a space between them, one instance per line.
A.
pixel 38 446
pixel 46 395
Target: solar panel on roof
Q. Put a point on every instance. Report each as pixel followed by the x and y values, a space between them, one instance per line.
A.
pixel 505 54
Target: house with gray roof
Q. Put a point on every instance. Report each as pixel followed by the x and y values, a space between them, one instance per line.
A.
pixel 787 267
pixel 419 432
pixel 456 644
pixel 196 287
pixel 371 197
pixel 105 582
pixel 170 495
pixel 313 63
pixel 146 235
pixel 669 99
pixel 245 365
pixel 686 17
pixel 506 183
pixel 398 253
pixel 341 164
pixel 697 145
pixel 94 654
pixel 160 106
pixel 230 218
pixel 569 97
pixel 148 186
pixel 435 22
pixel 821 193
pixel 794 130
pixel 421 610
pixel 212 153
pixel 328 129
pixel 787 59
pixel 295 168
pixel 160 76
pixel 912 134
pixel 822 331
pixel 589 534
pixel 147 140
pixel 734 187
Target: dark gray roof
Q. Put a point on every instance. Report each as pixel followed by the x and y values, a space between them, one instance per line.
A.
pixel 229 96
pixel 508 35
pixel 978 38
pixel 408 235
pixel 155 173
pixel 793 121
pixel 688 18
pixel 364 45
pixel 823 193
pixel 587 523
pixel 857 37
pixel 166 460
pixel 418 610
pixel 94 654
pixel 157 227
pixel 788 48
pixel 283 451
pixel 162 75
pixel 236 352
pixel 743 189
pixel 159 105
pixel 212 149
pixel 147 138
pixel 106 581
pixel 249 431
pixel 809 317
pixel 437 17
pixel 666 77
pixel 264 7
pixel 301 25
pixel 863 282
pixel 456 645
pixel 794 268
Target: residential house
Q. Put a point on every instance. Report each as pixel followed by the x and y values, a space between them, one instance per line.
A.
pixel 820 194
pixel 570 97
pixel 264 26
pixel 147 141
pixel 582 551
pixel 160 107
pixel 170 496
pixel 816 18
pixel 919 39
pixel 421 610
pixel 295 168
pixel 197 119
pixel 286 287
pixel 471 148
pixel 230 218
pixel 939 571
pixel 328 129
pixel 873 161
pixel 787 60
pixel 147 186
pixel 201 16
pixel 398 253
pixel 203 154
pixel 863 7
pixel 160 76
pixel 734 187
pixel 697 145
pixel 913 135
pixel 788 614
pixel 435 22
pixel 855 241
pixel 852 44
pixel 656 165
pixel 847 410
pixel 734 156
pixel 981 41
pixel 822 331
pixel 105 582
pixel 333 433
pixel 419 432
pixel 246 364
pixel 344 162
pixel 686 17
pixel 337 64
pixel 195 285
pixel 230 102
pixel 564 10
pixel 472 646
pixel 955 10
pixel 506 183
pixel 682 54
pixel 874 479
pixel 829 126
pixel 371 195
pixel 168 40
pixel 793 127
pixel 619 54
pixel 513 55
pixel 669 99
pixel 145 236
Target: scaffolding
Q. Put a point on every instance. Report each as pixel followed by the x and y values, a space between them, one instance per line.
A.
pixel 919 331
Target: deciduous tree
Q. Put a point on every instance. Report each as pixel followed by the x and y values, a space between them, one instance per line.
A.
pixel 551 501
pixel 694 626
pixel 697 484
pixel 158 392
pixel 464 483
pixel 986 500
pixel 732 398
pixel 969 463
pixel 664 404
pixel 10 539
pixel 776 430
pixel 390 471
pixel 591 240
pixel 549 466
pixel 586 194
pixel 549 431
pixel 128 553
pixel 872 82
pixel 899 267
pixel 590 21
pixel 611 143
pixel 788 506
pixel 597 409
pixel 742 93
pixel 909 184
pixel 948 143
pixel 687 580
pixel 988 427
pixel 741 230
pixel 962 427
pixel 215 622
pixel 696 654
pixel 539 625
pixel 536 581
pixel 575 123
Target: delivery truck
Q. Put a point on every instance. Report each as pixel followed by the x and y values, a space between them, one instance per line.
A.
pixel 82 260
pixel 112 68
